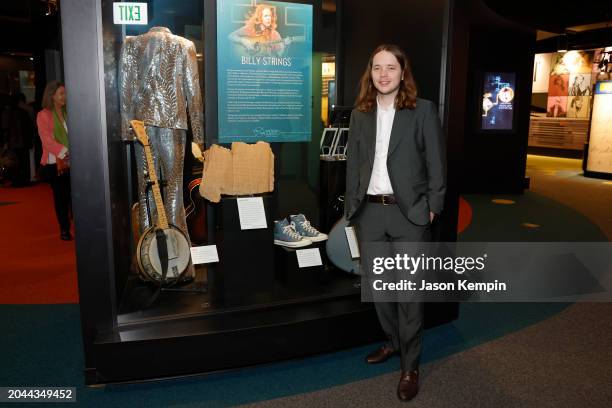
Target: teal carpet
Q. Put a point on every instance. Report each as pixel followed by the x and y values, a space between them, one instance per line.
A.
pixel 41 344
pixel 42 347
pixel 551 221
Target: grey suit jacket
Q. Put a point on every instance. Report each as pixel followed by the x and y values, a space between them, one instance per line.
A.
pixel 416 161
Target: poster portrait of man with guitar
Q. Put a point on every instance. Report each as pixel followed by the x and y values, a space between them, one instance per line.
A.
pixel 259 36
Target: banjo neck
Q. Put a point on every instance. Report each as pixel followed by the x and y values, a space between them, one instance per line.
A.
pixel 141 134
pixel 163 250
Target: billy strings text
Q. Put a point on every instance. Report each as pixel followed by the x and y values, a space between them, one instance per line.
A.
pixel 277 61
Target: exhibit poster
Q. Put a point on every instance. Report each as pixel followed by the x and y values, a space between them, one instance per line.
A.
pixel 264 71
pixel 498 101
pixel 571 62
pixel 580 84
pixel 601 60
pixel 541 73
pixel 569 85
pixel 558 85
pixel 578 106
pixel 595 68
pixel 556 107
pixel 600 137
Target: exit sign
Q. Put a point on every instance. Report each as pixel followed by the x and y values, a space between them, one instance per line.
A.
pixel 130 13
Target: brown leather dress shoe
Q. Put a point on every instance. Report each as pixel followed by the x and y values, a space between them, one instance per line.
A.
pixel 381 355
pixel 408 386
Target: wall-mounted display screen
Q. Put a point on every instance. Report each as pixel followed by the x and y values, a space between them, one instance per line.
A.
pixel 498 100
pixel 264 68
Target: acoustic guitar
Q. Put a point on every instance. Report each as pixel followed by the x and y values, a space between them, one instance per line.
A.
pixel 261 46
pixel 338 250
pixel 163 249
pixel 195 213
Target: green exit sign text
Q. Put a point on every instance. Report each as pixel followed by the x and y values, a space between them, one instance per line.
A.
pixel 130 13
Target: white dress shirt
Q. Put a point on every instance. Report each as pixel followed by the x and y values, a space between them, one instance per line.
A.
pixel 379 181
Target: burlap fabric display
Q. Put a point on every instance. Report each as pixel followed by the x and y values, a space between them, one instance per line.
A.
pixel 243 170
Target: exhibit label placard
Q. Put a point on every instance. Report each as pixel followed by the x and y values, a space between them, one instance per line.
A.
pixel 204 254
pixel 252 213
pixel 351 237
pixel 264 71
pixel 308 257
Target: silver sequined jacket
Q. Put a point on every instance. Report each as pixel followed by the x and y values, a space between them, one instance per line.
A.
pixel 158 79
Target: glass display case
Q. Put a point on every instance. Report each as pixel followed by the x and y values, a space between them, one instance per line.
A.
pixel 256 304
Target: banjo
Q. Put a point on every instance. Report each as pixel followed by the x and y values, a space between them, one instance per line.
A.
pixel 163 249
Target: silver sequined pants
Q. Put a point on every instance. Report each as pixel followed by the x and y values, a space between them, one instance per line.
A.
pixel 168 150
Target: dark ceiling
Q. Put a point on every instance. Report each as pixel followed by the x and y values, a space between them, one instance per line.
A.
pixel 15 9
pixel 25 26
pixel 554 16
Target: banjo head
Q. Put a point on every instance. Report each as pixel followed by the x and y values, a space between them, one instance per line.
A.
pixel 178 255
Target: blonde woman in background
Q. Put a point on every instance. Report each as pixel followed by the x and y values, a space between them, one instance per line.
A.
pixel 53 132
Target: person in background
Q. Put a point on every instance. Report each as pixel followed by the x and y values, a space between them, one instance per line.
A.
pixel 34 141
pixel 53 132
pixel 18 130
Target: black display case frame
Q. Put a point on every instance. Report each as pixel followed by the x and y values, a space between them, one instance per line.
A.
pixel 165 347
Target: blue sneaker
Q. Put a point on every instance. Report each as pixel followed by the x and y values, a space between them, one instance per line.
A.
pixel 302 226
pixel 285 235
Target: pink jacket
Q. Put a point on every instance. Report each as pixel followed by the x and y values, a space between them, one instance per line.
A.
pixel 44 121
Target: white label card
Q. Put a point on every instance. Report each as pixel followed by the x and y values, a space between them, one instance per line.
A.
pixel 204 254
pixel 308 257
pixel 351 237
pixel 252 213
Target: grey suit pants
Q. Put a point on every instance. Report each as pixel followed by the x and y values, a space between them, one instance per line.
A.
pixel 402 322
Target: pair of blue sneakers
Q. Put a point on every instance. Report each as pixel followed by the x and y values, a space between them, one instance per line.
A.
pixel 296 232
